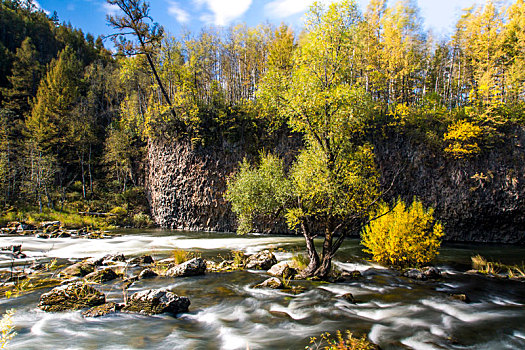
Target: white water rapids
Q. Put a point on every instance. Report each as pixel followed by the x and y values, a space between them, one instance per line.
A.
pixel 226 312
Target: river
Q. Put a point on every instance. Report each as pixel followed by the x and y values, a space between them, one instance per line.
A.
pixel 226 312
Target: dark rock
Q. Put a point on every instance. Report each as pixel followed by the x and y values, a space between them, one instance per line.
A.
pixel 113 258
pixel 428 272
pixel 13 248
pixel 147 273
pixel 348 297
pixel 272 282
pixel 261 261
pixel 79 269
pixel 142 260
pixel 101 310
pixel 25 227
pixel 42 235
pixel 101 276
pixel 193 267
pixel 460 297
pixel 431 272
pixel 157 301
pixel 73 296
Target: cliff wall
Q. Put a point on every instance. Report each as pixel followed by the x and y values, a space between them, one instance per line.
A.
pixel 478 200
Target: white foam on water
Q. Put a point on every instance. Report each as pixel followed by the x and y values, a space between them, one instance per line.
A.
pixel 376 332
pixel 463 312
pixel 503 302
pixel 134 245
pixel 296 314
pixel 361 267
pixel 340 290
pixel 418 342
pixel 519 335
pixel 232 341
pixel 388 313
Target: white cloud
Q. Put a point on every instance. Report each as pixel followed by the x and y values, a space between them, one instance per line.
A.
pixel 181 15
pixel 224 11
pixel 286 8
pixel 109 9
pixel 37 5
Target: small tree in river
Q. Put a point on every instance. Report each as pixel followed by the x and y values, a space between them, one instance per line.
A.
pixel 333 182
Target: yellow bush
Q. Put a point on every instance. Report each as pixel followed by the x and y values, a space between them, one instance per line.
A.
pixel 463 138
pixel 403 236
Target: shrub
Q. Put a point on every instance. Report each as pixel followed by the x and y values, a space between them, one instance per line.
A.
pixel 6 329
pixel 142 220
pixel 119 211
pixel 299 261
pixel 181 256
pixel 403 236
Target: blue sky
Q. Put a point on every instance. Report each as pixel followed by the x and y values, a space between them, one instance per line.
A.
pixel 177 16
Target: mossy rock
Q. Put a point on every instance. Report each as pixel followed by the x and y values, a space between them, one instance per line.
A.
pixel 73 296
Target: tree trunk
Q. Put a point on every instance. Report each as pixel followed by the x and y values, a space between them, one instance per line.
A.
pixel 313 265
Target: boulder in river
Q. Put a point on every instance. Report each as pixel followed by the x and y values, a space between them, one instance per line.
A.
pixel 157 301
pixel 348 297
pixel 113 258
pixel 261 261
pixel 428 272
pixel 193 267
pixel 81 269
pixel 73 296
pixel 272 282
pixel 147 273
pixel 100 276
pixel 282 269
pixel 141 260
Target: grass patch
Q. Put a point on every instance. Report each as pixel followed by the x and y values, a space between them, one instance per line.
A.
pixel 66 217
pixel 484 266
pixel 340 342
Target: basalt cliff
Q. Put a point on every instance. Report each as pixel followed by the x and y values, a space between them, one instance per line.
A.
pixel 480 199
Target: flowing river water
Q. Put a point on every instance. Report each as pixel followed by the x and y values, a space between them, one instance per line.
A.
pixel 226 312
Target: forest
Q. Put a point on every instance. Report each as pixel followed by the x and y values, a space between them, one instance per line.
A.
pixel 76 117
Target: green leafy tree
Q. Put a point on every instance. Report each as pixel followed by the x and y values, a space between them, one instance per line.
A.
pixel 334 179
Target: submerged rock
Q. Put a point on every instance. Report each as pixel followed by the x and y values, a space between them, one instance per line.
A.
pixel 101 276
pixel 73 296
pixel 261 261
pixel 351 274
pixel 102 310
pixel 157 301
pixel 193 267
pixel 460 297
pixel 272 282
pixel 348 297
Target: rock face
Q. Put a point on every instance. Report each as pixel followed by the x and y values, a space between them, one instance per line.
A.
pixel 73 296
pixel 261 261
pixel 193 267
pixel 480 199
pixel 157 301
pixel 147 273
